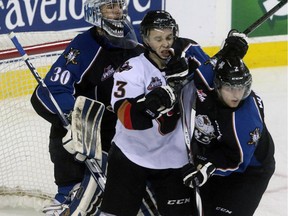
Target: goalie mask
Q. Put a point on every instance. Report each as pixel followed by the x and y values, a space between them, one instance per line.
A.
pixel 232 72
pixel 111 16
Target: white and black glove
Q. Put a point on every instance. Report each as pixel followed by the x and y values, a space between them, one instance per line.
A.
pixel 193 177
pixel 235 45
pixel 69 144
pixel 158 101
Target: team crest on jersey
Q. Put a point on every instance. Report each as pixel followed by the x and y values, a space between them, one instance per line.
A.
pixel 108 72
pixel 204 130
pixel 124 67
pixel 201 95
pixel 255 136
pixel 71 56
pixel 155 82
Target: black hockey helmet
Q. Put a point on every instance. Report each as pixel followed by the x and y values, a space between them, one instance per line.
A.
pixel 158 19
pixel 231 71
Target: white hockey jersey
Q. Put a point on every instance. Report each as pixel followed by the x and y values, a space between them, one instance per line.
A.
pixel 148 148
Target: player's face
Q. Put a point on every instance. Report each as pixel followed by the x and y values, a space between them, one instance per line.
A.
pixel 232 95
pixel 161 40
pixel 112 11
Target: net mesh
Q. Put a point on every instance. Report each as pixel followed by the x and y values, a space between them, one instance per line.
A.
pixel 25 166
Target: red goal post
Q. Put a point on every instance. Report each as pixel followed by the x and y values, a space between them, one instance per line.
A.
pixel 26 172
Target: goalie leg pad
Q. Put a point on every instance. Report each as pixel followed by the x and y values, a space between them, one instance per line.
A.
pixel 89 194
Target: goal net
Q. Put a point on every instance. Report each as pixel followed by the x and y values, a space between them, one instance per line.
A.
pixel 26 177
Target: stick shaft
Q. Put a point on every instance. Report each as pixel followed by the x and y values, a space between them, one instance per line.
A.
pixel 262 19
pixel 38 78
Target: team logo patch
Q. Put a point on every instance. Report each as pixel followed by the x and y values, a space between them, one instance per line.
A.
pixel 108 72
pixel 125 67
pixel 71 56
pixel 201 95
pixel 255 136
pixel 155 82
pixel 204 130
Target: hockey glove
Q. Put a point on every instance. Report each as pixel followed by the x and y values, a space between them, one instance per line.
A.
pixel 235 45
pixel 179 69
pixel 159 101
pixel 193 177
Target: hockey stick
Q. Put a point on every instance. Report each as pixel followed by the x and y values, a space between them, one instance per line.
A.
pixel 252 27
pixel 262 19
pixel 187 138
pixel 91 163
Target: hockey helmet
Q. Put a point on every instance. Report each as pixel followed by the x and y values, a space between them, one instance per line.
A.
pixel 232 72
pixel 93 15
pixel 158 19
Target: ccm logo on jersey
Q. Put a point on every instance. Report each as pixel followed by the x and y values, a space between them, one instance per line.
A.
pixel 178 202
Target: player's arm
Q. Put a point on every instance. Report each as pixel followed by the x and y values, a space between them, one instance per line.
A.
pixel 134 107
pixel 66 71
pixel 137 113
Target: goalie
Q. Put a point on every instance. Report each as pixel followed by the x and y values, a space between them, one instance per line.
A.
pixel 85 68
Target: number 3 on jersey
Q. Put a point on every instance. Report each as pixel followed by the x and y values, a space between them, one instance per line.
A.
pixel 120 90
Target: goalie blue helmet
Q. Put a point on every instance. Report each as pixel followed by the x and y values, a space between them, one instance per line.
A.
pixel 234 73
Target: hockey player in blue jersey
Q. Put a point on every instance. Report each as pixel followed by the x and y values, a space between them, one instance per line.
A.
pixel 85 68
pixel 234 160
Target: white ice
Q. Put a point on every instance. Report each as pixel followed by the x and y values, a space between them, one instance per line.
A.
pixel 271 85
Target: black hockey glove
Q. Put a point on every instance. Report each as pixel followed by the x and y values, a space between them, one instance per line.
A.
pixel 179 69
pixel 235 45
pixel 193 177
pixel 159 101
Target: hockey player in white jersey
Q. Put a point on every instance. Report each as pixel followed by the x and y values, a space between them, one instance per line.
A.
pixel 149 143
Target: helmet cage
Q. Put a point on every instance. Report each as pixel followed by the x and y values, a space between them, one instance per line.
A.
pixel 93 15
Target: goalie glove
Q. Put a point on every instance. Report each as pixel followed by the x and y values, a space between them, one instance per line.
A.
pixel 68 142
pixel 193 177
pixel 158 101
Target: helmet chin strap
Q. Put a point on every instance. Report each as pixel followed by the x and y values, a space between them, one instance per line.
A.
pixel 151 50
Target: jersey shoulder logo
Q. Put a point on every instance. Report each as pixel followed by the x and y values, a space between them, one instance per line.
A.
pixel 108 72
pixel 124 67
pixel 255 136
pixel 201 95
pixel 155 82
pixel 71 56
